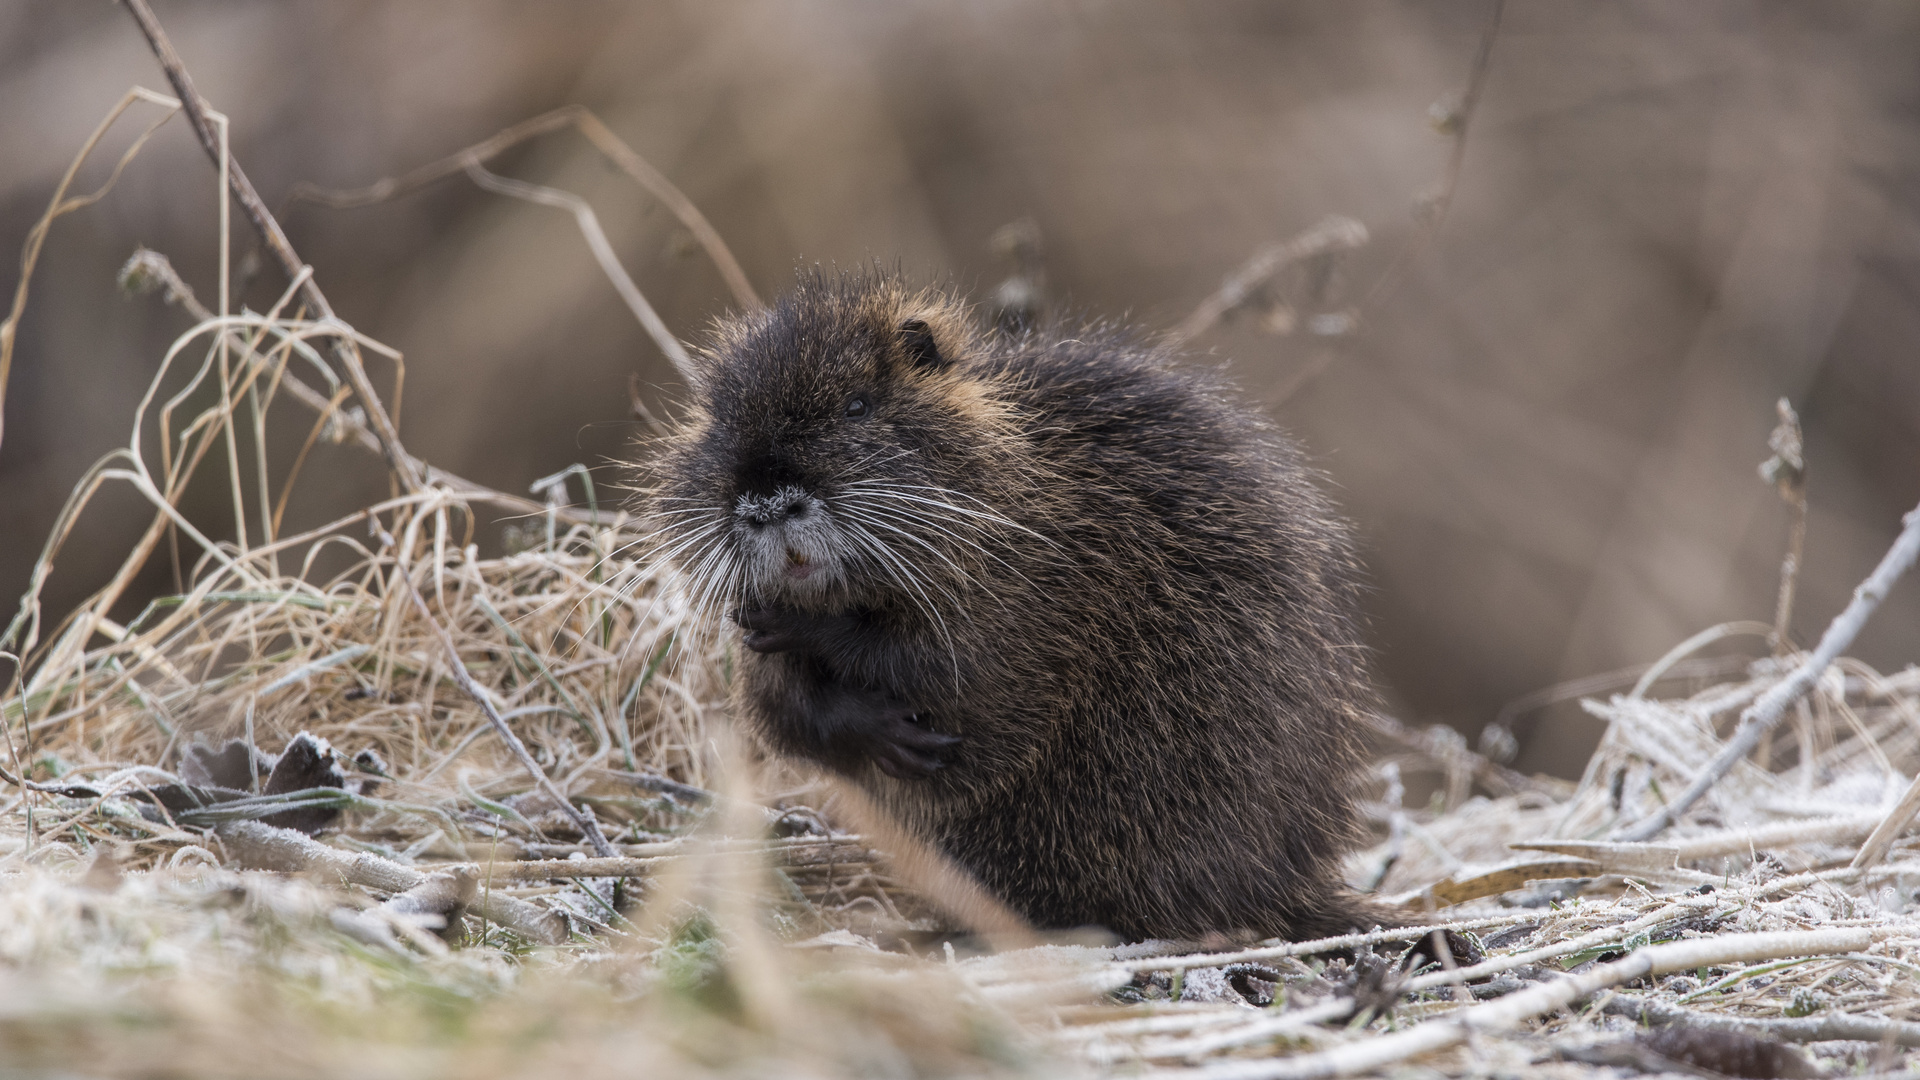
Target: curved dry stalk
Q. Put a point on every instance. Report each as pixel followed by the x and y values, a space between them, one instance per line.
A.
pixel 596 237
pixel 1692 645
pixel 602 138
pixel 58 206
pixel 151 265
pixel 276 238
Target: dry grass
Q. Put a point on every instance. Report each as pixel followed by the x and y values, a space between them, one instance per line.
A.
pixel 131 943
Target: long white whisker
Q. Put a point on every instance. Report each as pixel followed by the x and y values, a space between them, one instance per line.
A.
pixel 682 543
pixel 873 459
pixel 879 518
pixel 888 492
pixel 705 581
pixel 901 572
pixel 875 520
pixel 907 516
pixel 636 542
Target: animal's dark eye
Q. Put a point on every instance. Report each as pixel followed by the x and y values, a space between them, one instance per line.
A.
pixel 858 407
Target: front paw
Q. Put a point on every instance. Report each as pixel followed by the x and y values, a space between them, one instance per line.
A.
pixel 776 630
pixel 868 725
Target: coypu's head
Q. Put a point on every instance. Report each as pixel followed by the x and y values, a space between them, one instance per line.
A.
pixel 832 454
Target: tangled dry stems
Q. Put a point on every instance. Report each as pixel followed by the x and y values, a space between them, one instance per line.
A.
pixel 703 947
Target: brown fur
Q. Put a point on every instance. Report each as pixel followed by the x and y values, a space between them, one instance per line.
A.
pixel 1098 643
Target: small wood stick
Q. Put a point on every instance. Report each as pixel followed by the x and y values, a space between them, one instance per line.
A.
pixel 1890 828
pixel 260 846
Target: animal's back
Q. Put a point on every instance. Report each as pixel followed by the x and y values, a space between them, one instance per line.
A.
pixel 1197 596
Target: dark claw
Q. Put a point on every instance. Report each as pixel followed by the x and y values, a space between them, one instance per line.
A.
pixel 907 751
pixel 769 630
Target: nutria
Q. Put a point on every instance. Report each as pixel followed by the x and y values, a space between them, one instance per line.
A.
pixel 1069 610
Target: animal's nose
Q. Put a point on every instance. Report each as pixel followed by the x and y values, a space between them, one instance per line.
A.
pixel 760 513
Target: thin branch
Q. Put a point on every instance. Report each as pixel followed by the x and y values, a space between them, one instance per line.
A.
pixel 1461 119
pixel 589 828
pixel 841 853
pixel 1828 1027
pixel 1761 717
pixel 602 138
pixel 275 238
pixel 1455 119
pixel 1314 947
pixel 660 785
pixel 1636 857
pixel 1334 233
pixel 603 253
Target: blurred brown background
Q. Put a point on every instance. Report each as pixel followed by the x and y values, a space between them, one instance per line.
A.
pixel 1669 215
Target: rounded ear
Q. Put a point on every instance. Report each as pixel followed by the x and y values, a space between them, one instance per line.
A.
pixel 916 341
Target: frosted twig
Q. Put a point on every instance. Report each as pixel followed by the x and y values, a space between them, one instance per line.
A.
pixel 1457 1027
pixel 1828 1027
pixel 837 854
pixel 1760 717
pixel 1320 945
pixel 264 847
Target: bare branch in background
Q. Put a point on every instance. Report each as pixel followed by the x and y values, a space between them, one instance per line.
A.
pixel 148 270
pixel 58 206
pixel 1332 234
pixel 1453 115
pixel 275 238
pixel 602 138
pixel 1786 470
pixel 603 253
